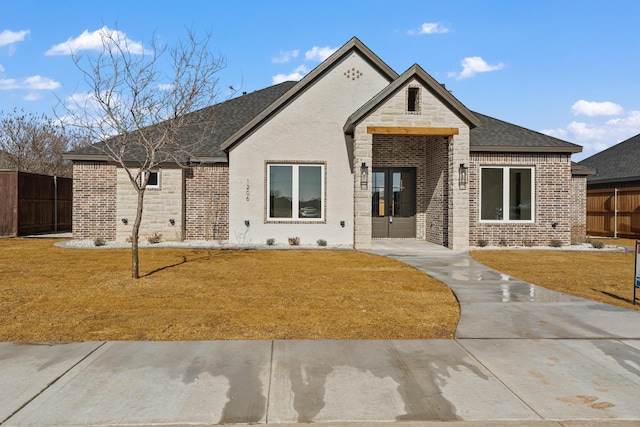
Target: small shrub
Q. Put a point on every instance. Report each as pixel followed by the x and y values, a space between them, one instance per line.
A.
pixel 99 241
pixel 271 241
pixel 502 242
pixel 597 244
pixel 154 238
pixel 322 242
pixel 482 243
pixel 555 243
pixel 128 239
pixel 294 241
pixel 528 243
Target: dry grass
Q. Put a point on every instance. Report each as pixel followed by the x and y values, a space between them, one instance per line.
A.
pixel 618 242
pixel 600 276
pixel 57 294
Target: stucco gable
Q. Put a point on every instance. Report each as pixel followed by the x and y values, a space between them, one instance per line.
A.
pixel 354 45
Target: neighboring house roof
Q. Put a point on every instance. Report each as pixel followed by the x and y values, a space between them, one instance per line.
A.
pixel 616 164
pixel 429 82
pixel 493 135
pixel 226 118
pixel 308 80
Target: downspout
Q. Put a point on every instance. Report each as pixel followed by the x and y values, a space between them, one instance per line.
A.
pixel 55 204
pixel 615 213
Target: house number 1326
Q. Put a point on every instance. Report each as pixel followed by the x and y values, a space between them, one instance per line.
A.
pixel 248 192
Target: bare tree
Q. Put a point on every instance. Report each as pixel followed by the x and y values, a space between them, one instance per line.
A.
pixel 143 107
pixel 34 143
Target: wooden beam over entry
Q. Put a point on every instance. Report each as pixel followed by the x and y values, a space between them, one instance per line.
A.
pixel 403 130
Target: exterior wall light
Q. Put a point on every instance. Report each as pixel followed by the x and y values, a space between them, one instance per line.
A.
pixel 463 176
pixel 364 176
pixel 172 221
pixel 246 222
pixel 125 221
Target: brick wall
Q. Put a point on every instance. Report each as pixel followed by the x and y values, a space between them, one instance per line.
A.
pixel 578 209
pixel 553 200
pixel 207 202
pixel 94 200
pixel 429 156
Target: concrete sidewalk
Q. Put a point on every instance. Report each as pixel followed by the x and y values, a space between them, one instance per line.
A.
pixel 523 356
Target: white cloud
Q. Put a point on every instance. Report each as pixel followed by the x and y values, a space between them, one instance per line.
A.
pixel 94 41
pixel 10 37
pixel 319 53
pixel 32 83
pixel 473 65
pixel 591 109
pixel 1 69
pixel 285 56
pixel 631 121
pixel 297 74
pixel 429 28
pixel 596 136
pixel 165 87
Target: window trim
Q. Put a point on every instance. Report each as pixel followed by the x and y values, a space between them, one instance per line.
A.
pixel 505 195
pixel 152 171
pixel 415 90
pixel 295 218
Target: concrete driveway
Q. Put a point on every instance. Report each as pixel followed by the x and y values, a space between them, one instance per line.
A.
pixel 523 355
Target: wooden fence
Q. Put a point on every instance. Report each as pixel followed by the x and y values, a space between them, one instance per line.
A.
pixel 31 204
pixel 607 207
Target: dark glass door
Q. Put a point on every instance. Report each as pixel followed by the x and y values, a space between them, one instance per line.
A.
pixel 393 202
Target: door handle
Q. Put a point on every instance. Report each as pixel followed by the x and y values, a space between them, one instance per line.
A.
pixel 390 219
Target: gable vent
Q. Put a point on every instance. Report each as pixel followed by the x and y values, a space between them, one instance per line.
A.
pixel 353 74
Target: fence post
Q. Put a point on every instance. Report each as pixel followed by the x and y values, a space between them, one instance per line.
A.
pixel 615 213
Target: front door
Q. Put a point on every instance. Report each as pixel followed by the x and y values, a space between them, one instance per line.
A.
pixel 393 202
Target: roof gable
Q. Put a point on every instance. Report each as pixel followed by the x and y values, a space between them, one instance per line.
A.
pixel 415 71
pixel 317 73
pixel 616 163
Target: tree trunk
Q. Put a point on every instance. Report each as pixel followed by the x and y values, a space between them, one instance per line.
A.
pixel 135 233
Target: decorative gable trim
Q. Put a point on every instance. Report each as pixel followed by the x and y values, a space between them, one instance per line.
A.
pixel 415 71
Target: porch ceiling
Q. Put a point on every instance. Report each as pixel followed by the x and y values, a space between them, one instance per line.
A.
pixel 408 130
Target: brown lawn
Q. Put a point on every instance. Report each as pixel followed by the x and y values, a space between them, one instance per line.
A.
pixel 58 294
pixel 600 276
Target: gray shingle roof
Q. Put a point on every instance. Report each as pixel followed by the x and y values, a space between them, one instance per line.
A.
pixel 496 135
pixel 230 117
pixel 618 163
pixel 226 118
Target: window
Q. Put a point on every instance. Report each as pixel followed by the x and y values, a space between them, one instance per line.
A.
pixel 412 99
pixel 295 191
pixel 154 179
pixel 506 194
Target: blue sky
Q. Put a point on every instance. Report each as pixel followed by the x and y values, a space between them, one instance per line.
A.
pixel 569 68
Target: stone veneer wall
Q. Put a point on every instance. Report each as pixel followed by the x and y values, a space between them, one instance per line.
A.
pixel 432 113
pixel 207 202
pixel 94 200
pixel 578 208
pixel 160 206
pixel 429 156
pixel 553 200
